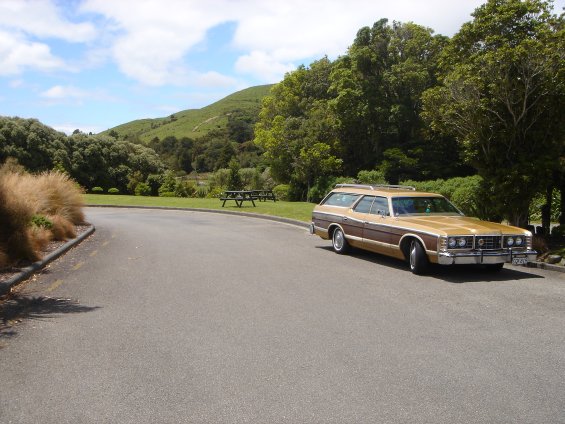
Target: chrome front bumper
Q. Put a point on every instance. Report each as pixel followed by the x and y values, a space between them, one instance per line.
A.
pixel 484 257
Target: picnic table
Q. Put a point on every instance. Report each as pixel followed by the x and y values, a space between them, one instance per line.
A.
pixel 264 195
pixel 238 196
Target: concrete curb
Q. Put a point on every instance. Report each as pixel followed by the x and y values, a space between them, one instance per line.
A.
pixel 546 266
pixel 27 272
pixel 219 211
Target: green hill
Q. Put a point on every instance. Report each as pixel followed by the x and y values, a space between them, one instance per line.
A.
pixel 194 123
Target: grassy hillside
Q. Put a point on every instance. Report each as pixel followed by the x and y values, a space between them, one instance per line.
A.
pixel 195 123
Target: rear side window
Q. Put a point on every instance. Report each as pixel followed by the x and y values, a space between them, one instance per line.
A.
pixel 364 205
pixel 380 206
pixel 340 199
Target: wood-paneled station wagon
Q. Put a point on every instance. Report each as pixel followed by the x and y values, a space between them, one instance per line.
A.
pixel 418 227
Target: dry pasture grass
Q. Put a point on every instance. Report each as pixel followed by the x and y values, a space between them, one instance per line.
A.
pixel 22 195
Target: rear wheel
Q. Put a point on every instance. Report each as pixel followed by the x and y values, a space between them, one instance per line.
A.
pixel 339 242
pixel 417 258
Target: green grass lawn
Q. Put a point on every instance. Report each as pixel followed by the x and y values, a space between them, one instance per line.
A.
pixel 301 211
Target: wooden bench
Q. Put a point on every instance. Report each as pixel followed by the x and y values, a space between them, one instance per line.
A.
pixel 238 196
pixel 264 195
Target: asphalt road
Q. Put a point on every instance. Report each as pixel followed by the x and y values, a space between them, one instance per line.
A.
pixel 186 317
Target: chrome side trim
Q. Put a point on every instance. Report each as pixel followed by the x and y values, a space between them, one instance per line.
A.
pixel 382 244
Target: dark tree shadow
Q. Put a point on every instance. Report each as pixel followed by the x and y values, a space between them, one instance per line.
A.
pixel 452 274
pixel 18 308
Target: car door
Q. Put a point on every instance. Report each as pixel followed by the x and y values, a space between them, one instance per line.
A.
pixel 355 220
pixel 376 231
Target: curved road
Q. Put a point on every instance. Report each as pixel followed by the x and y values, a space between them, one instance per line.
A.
pixel 187 317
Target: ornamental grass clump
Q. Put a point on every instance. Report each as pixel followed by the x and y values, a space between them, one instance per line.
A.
pixel 15 216
pixel 35 209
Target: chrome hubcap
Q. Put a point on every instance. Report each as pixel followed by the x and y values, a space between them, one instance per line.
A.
pixel 338 240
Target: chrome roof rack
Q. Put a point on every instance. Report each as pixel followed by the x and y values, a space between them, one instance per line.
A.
pixel 376 186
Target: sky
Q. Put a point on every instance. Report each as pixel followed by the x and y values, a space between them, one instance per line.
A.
pixel 94 64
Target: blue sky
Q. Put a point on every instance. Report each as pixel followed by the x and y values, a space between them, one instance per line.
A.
pixel 95 64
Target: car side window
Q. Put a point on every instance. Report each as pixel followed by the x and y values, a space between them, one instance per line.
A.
pixel 341 199
pixel 380 206
pixel 364 205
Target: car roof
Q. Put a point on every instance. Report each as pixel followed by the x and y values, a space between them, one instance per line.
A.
pixel 382 190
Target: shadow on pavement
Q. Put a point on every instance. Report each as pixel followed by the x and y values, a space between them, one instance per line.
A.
pixel 456 274
pixel 18 308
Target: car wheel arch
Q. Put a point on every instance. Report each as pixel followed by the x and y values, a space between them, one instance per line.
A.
pixel 405 242
pixel 332 228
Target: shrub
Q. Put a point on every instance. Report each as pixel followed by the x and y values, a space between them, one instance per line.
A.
pixel 220 179
pixel 154 181
pixel 62 228
pixel 113 190
pixel 55 194
pixel 15 215
pixel 282 192
pixel 142 189
pixel 215 193
pixel 234 181
pixel 539 201
pixel 430 186
pixel 41 221
pixel 32 209
pixel 371 177
pixel 97 190
pixel 40 237
pixel 558 231
pixel 167 194
pixel 184 189
pixel 201 192
pixel 168 185
pixel 539 244
pixel 467 193
pixel 251 178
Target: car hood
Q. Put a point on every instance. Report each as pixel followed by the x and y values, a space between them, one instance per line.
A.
pixel 459 225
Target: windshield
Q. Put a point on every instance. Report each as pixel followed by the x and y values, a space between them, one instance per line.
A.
pixel 423 206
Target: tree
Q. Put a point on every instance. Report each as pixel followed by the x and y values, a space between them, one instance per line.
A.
pixel 503 98
pixel 377 88
pixel 234 181
pixel 315 161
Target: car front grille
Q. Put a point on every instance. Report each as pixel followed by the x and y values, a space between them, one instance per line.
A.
pixel 488 242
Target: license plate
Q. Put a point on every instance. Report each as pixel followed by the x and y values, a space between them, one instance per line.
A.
pixel 519 261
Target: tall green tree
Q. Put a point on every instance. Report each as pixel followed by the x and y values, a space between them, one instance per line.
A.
pixel 503 98
pixel 377 88
pixel 294 119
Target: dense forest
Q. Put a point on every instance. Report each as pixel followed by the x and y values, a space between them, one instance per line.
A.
pixel 414 105
pixel 402 104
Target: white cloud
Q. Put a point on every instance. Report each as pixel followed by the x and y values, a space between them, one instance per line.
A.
pixel 263 66
pixel 213 79
pixel 17 54
pixel 43 19
pixel 153 37
pixel 73 95
pixel 17 83
pixel 60 92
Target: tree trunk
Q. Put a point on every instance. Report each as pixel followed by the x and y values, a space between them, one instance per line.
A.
pixel 562 189
pixel 546 210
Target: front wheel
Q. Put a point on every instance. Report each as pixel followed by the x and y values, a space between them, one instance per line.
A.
pixel 339 242
pixel 417 258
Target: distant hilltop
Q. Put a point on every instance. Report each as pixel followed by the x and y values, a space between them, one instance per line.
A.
pixel 194 123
